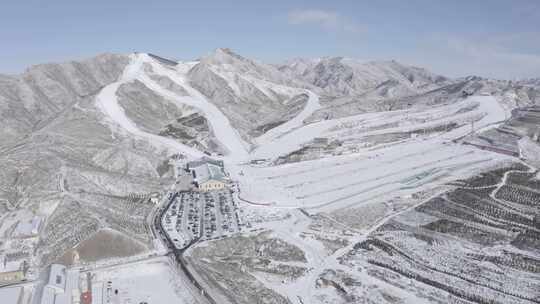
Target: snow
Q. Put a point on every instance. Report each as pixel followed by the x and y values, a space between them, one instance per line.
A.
pixel 495 114
pixel 224 132
pixel 9 266
pixel 276 142
pixel 332 182
pixel 107 102
pixel 530 151
pixel 345 181
pixel 304 289
pixel 152 281
pixel 14 219
pixel 237 148
pixel 237 72
pixel 295 138
pixel 10 295
pixel 298 121
pixel 336 182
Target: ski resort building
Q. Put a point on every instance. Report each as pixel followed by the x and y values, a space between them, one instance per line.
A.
pixel 212 185
pixel 205 160
pixel 208 174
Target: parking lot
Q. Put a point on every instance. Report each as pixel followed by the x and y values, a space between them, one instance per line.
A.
pixel 193 216
pixel 220 214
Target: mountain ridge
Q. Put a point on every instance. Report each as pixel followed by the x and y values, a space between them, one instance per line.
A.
pixel 331 155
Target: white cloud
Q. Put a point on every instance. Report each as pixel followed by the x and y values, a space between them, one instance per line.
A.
pixel 328 20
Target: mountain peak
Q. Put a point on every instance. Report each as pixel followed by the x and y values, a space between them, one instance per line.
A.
pixel 224 60
pixel 224 55
pixel 227 51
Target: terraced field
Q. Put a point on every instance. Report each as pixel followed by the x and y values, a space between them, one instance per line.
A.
pixel 477 243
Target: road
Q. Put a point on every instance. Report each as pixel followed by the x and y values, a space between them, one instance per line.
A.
pixel 175 254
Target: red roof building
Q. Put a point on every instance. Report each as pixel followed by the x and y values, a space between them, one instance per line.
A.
pixel 86 297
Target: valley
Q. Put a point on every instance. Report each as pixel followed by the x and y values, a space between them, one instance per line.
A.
pixel 393 185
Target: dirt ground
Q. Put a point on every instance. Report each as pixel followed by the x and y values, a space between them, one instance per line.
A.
pixel 104 244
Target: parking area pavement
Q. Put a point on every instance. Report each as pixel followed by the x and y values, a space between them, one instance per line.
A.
pixel 194 216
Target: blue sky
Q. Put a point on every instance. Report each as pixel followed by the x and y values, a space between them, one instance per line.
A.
pixel 493 38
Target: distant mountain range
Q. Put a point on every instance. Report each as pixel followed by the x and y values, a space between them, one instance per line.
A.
pixel 255 96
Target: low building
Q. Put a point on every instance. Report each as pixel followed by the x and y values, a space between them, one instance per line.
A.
pixel 212 185
pixel 57 277
pixel 28 228
pixel 205 160
pixel 154 198
pixel 12 271
pixel 10 277
pixel 62 286
pixel 208 175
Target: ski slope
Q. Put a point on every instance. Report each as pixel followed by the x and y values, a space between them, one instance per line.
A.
pixel 490 111
pixel 330 182
pixel 229 137
pixel 107 103
pixel 297 122
pixel 372 174
pixel 377 173
pixel 224 132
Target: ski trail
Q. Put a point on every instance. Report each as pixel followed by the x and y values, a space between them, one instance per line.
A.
pixel 298 121
pixel 494 116
pixel 220 124
pixel 224 132
pixel 492 112
pixel 271 144
pixel 107 103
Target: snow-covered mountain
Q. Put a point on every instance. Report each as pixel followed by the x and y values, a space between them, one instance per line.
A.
pixel 348 167
pixel 348 86
pixel 339 76
pixel 253 95
pixel 28 101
